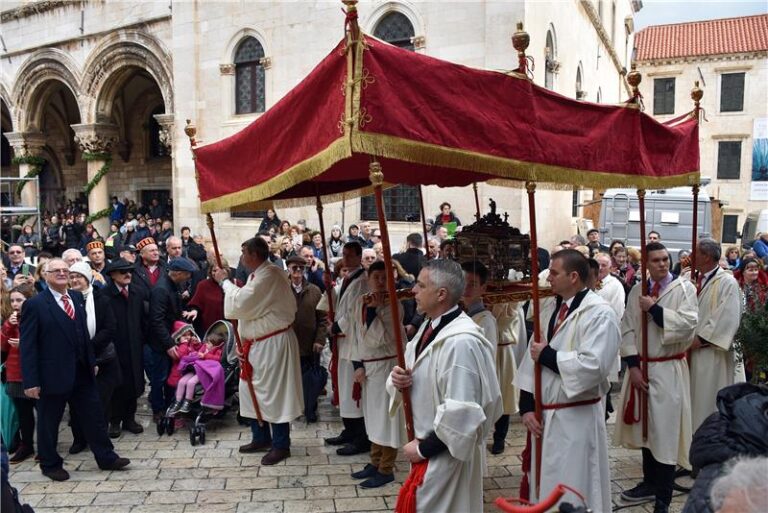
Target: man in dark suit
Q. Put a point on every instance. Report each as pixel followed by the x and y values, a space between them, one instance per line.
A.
pixel 149 266
pixel 165 307
pixel 58 367
pixel 412 259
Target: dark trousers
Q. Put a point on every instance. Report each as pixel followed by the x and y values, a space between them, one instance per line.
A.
pixel 123 404
pixel 659 476
pixel 355 431
pixel 157 365
pixel 501 428
pixel 26 411
pixel 85 406
pixel 105 398
pixel 279 435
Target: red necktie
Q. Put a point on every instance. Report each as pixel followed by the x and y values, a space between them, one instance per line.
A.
pixel 425 337
pixel 699 283
pixel 124 292
pixel 560 318
pixel 68 308
pixel 656 289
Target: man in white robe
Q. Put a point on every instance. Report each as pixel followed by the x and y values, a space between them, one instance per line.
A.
pixel 712 359
pixel 670 312
pixel 265 309
pixel 608 287
pixel 378 354
pixel 454 392
pixel 353 438
pixel 475 285
pixel 577 350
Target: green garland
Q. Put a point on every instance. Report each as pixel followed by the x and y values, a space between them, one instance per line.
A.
pixel 751 340
pixel 98 215
pixel 36 167
pixel 107 158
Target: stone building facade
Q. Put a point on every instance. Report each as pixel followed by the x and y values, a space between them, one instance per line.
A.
pixel 121 78
pixel 728 58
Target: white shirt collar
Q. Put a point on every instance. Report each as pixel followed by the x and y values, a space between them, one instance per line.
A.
pixel 436 320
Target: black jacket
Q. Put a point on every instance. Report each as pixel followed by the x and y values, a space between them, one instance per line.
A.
pixel 106 329
pixel 412 261
pixel 130 333
pixel 738 428
pixel 164 310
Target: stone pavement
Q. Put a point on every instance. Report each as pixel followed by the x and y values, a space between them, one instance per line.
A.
pixel 168 475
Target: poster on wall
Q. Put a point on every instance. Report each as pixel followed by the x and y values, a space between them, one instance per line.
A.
pixel 759 189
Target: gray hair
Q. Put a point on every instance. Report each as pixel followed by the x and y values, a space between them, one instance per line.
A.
pixel 72 251
pixel 711 248
pixel 447 274
pixel 747 476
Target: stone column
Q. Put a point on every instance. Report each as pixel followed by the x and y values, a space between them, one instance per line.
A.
pixel 97 139
pixel 27 144
pixel 166 131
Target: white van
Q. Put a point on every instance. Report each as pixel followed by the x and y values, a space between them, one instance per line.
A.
pixel 756 222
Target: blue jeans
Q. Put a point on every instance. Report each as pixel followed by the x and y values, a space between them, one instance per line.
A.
pixel 280 437
pixel 157 365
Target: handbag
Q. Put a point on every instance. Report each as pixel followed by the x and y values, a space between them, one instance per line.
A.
pixel 107 354
pixel 9 418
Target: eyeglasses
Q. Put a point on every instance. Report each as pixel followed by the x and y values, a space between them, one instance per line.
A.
pixel 295 268
pixel 58 271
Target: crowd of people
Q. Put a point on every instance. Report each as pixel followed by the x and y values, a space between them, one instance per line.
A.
pixel 136 306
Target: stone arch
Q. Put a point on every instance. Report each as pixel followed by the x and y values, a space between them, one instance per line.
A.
pixel 404 8
pixel 8 105
pixel 31 86
pixel 237 38
pixel 111 63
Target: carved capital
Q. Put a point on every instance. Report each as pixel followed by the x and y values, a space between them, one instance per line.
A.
pixel 26 144
pixel 96 138
pixel 266 62
pixel 227 69
pixel 166 130
pixel 419 42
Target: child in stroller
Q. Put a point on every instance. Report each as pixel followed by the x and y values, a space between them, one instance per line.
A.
pixel 199 362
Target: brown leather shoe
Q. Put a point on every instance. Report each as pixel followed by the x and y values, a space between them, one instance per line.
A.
pixel 118 464
pixel 57 474
pixel 254 447
pixel 275 456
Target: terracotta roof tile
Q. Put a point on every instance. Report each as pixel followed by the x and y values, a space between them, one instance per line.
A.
pixel 711 37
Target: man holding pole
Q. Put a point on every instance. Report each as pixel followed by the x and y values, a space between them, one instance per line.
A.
pixel 577 350
pixel 455 395
pixel 270 370
pixel 670 312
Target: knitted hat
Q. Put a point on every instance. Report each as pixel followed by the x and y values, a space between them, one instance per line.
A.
pixel 144 243
pixel 83 269
pixel 95 244
pixel 179 328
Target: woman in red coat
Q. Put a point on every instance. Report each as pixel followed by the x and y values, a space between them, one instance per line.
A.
pixel 9 343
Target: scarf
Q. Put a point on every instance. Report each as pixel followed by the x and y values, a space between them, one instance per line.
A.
pixel 90 311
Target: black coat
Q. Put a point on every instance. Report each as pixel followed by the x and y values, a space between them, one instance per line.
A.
pixel 738 428
pixel 141 277
pixel 106 329
pixel 164 309
pixel 412 261
pixel 130 333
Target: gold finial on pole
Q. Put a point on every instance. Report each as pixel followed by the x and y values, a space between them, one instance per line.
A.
pixel 350 21
pixel 697 94
pixel 520 41
pixel 634 78
pixel 191 131
pixel 375 174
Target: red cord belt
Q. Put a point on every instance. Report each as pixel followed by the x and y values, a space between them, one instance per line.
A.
pixel 379 359
pixel 560 406
pixel 246 369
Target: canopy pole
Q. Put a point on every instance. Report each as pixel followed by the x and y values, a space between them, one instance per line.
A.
pixel 696 95
pixel 329 292
pixel 644 324
pixel 423 223
pixel 531 189
pixel 477 202
pixel 377 179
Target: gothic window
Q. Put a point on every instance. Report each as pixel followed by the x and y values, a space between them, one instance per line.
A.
pixel 401 203
pixel 249 77
pixel 550 64
pixel 156 146
pixel 579 87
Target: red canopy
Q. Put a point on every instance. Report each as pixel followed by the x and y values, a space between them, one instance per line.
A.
pixel 433 122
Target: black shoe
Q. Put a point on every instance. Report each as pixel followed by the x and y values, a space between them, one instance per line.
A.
pixel 368 471
pixel 57 474
pixel 22 453
pixel 352 449
pixel 640 493
pixel 255 447
pixel 497 447
pixel 682 472
pixel 275 456
pixel 186 405
pixel 342 439
pixel 133 427
pixel 77 447
pixel 377 480
pixel 660 507
pixel 114 430
pixel 118 464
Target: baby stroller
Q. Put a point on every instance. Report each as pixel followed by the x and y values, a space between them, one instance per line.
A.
pixel 202 414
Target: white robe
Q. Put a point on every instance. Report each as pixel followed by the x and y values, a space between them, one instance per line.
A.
pixel 512 338
pixel 575 444
pixel 712 368
pixel 348 319
pixel 456 395
pixel 612 291
pixel 378 341
pixel 669 404
pixel 264 305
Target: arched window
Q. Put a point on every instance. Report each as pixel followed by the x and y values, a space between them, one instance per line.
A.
pixel 599 95
pixel 401 203
pixel 249 77
pixel 579 88
pixel 550 64
pixel 396 29
pixel 156 146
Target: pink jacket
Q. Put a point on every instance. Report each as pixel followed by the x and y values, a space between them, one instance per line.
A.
pixel 186 348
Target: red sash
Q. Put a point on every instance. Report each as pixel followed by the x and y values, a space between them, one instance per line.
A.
pixel 630 416
pixel 406 499
pixel 561 406
pixel 246 369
